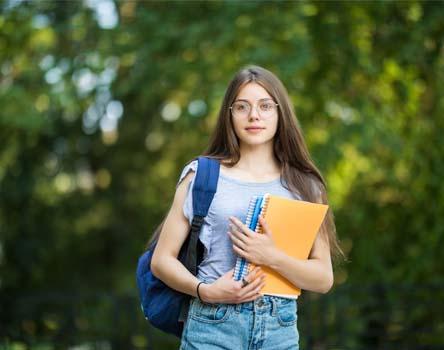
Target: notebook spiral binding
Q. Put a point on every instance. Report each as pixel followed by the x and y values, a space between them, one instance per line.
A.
pixel 241 263
pixel 263 210
pixel 256 207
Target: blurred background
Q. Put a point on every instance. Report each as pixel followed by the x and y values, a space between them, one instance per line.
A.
pixel 103 102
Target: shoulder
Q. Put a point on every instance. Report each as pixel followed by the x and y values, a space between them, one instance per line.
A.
pixel 188 171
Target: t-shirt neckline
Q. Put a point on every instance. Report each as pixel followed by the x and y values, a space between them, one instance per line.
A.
pixel 249 183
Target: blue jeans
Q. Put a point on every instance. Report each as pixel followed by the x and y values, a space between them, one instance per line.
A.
pixel 268 322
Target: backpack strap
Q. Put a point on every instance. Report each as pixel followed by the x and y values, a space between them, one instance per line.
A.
pixel 205 186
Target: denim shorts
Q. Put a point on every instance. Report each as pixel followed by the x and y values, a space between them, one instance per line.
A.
pixel 268 322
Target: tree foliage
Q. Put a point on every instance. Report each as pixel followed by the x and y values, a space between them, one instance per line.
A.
pixel 98 118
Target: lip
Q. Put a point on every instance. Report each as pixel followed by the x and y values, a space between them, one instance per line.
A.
pixel 254 130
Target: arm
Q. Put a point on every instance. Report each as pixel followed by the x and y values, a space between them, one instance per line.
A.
pixel 314 274
pixel 172 272
pixel 164 263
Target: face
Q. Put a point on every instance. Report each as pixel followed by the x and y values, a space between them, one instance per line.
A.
pixel 255 128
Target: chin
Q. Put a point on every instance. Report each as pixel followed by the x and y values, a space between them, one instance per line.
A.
pixel 252 141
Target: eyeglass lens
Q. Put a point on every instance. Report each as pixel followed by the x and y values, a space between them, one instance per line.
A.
pixel 265 108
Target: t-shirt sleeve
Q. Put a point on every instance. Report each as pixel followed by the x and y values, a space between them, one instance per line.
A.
pixel 188 204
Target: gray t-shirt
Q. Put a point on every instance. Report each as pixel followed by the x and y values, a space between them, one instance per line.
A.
pixel 231 199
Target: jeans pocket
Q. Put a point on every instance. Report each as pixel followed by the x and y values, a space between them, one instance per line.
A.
pixel 211 313
pixel 287 312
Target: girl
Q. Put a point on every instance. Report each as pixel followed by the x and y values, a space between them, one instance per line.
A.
pixel 260 147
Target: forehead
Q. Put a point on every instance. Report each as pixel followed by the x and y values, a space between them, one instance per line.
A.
pixel 252 92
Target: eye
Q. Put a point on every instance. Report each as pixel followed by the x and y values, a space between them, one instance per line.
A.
pixel 266 106
pixel 240 107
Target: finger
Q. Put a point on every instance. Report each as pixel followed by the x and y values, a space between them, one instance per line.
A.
pixel 264 224
pixel 253 285
pixel 238 234
pixel 254 292
pixel 239 251
pixel 256 296
pixel 236 230
pixel 252 274
pixel 239 226
pixel 239 243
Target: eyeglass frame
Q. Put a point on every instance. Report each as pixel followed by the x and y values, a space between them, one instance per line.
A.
pixel 251 107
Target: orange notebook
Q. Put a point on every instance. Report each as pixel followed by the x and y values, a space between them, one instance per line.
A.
pixel 294 225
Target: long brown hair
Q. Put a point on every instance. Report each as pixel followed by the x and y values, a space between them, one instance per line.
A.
pixel 298 172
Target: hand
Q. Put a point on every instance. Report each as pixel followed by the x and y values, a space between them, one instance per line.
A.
pixel 226 290
pixel 258 249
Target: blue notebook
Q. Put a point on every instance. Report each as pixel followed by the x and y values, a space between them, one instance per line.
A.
pixel 255 206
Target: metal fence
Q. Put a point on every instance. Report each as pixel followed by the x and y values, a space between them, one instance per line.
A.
pixel 349 317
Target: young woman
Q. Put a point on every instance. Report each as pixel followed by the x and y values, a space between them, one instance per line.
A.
pixel 260 147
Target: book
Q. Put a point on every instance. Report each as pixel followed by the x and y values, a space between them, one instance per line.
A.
pixel 294 225
pixel 241 268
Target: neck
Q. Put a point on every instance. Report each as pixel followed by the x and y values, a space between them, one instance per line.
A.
pixel 258 159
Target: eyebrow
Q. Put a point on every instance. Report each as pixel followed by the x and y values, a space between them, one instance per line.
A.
pixel 261 99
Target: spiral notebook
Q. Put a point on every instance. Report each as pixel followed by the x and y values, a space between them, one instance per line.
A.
pixel 294 225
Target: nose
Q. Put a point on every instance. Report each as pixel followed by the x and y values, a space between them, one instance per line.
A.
pixel 253 114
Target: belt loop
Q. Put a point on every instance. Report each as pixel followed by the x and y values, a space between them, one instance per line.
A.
pixel 237 307
pixel 273 307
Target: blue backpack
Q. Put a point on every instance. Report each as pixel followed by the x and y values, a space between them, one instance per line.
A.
pixel 164 307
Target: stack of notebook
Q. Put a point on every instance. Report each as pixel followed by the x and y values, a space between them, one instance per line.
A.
pixel 294 225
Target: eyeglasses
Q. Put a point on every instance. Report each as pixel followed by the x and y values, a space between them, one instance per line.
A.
pixel 265 109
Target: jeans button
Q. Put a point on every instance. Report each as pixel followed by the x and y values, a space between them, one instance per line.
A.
pixel 260 302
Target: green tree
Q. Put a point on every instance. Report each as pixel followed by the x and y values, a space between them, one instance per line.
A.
pixel 102 106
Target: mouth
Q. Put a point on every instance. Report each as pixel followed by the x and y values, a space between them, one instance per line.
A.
pixel 254 130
